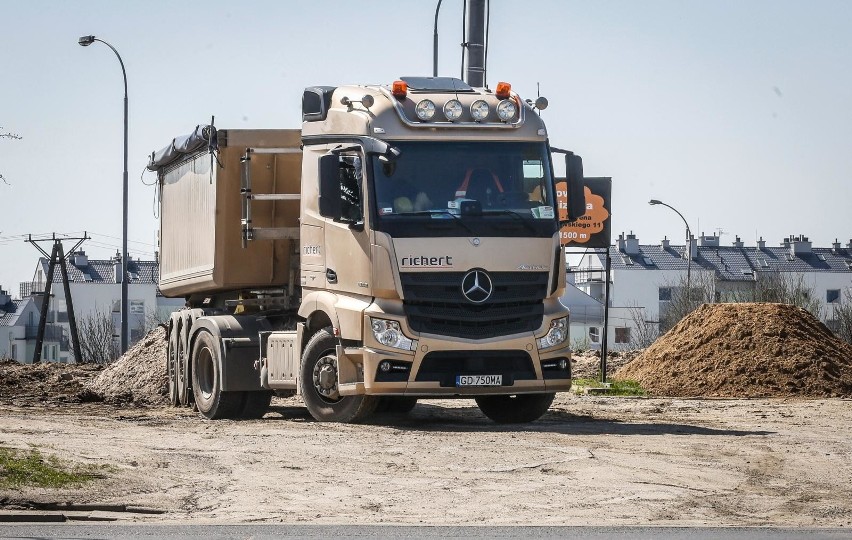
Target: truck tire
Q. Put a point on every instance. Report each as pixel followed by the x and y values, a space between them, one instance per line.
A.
pixel 517 409
pixel 319 384
pixel 255 404
pixel 182 365
pixel 396 404
pixel 211 401
pixel 171 368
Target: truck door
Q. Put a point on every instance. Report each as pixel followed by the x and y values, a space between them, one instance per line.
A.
pixel 348 243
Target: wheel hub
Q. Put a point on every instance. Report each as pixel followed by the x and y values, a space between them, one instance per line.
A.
pixel 325 377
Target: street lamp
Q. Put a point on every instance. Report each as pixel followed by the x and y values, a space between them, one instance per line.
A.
pixel 654 202
pixel 85 41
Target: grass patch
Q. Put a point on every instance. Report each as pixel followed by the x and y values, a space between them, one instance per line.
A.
pixel 618 387
pixel 19 468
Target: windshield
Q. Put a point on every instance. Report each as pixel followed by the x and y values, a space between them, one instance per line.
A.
pixel 479 188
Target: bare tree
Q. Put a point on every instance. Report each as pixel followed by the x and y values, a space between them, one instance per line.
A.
pixel 97 339
pixel 155 318
pixel 842 317
pixel 7 135
pixel 580 344
pixel 687 297
pixel 781 288
pixel 646 332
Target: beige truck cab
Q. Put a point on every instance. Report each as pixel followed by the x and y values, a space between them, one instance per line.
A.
pixel 405 246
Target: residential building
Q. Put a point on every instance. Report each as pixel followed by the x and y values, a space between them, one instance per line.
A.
pixel 95 287
pixel 19 328
pixel 644 277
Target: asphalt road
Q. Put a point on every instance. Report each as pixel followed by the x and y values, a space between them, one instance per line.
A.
pixel 390 531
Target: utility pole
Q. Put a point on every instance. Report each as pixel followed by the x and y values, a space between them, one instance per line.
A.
pixel 475 43
pixel 57 257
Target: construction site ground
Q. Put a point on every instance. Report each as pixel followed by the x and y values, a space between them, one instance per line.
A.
pixel 590 460
pixel 749 423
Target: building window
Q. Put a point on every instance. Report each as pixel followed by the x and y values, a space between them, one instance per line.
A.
pixel 594 334
pixel 665 294
pixel 622 335
pixel 832 296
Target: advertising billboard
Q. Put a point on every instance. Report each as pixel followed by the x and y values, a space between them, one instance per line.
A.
pixel 592 230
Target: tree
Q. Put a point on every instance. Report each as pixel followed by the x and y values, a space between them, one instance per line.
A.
pixel 782 288
pixel 701 290
pixel 7 135
pixel 842 317
pixel 97 339
pixel 646 332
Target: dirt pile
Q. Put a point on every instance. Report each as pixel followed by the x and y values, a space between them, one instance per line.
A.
pixel 745 350
pixel 45 383
pixel 139 376
pixel 587 364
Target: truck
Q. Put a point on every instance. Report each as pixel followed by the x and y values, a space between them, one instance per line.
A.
pixel 403 244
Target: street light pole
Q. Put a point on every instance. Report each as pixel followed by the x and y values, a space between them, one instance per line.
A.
pixel 654 202
pixel 85 41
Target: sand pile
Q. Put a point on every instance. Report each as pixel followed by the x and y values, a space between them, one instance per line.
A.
pixel 587 364
pixel 745 350
pixel 139 376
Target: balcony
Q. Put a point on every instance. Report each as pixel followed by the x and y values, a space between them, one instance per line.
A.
pixel 583 277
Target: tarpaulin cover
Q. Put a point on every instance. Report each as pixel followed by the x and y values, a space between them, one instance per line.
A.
pixel 203 137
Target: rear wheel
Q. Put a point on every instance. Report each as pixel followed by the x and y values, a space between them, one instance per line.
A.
pixel 319 384
pixel 212 402
pixel 182 365
pixel 517 409
pixel 171 368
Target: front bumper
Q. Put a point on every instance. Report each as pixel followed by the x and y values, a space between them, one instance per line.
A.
pixel 432 367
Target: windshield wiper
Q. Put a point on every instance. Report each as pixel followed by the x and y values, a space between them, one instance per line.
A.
pixel 457 219
pixel 514 214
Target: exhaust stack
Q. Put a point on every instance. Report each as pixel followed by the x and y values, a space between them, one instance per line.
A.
pixel 475 73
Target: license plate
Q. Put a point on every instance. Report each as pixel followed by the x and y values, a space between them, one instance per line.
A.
pixel 479 380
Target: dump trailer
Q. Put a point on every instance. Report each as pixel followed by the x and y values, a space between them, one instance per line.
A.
pixel 403 244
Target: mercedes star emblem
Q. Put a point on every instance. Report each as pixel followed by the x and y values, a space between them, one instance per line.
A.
pixel 477 286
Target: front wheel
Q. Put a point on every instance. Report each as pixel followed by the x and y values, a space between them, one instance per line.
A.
pixel 517 409
pixel 212 402
pixel 319 384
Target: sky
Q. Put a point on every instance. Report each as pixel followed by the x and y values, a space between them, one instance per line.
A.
pixel 738 114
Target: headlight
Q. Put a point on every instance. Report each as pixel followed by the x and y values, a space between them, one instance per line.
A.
pixel 557 334
pixel 389 334
pixel 453 109
pixel 479 110
pixel 506 110
pixel 425 109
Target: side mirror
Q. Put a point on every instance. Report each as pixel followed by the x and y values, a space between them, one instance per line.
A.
pixel 329 187
pixel 576 188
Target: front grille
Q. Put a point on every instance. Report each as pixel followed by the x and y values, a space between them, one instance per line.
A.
pixel 444 366
pixel 434 304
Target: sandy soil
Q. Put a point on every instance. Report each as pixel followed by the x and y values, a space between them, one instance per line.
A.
pixel 590 460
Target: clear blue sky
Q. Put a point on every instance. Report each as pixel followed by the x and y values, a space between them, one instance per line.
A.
pixel 738 113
